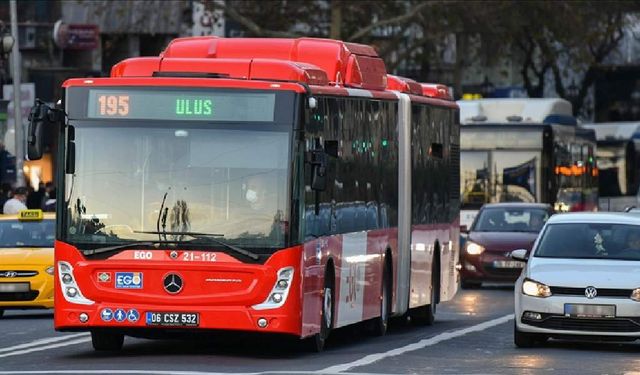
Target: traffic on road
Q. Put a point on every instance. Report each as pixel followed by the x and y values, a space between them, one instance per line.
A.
pixel 289 206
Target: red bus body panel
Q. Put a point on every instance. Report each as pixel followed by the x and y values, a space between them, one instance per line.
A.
pixel 222 305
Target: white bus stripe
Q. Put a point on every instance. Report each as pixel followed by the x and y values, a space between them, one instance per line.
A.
pixel 415 346
pixel 46 347
pixel 44 341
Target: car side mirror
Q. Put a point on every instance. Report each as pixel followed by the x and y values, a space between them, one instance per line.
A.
pixel 520 254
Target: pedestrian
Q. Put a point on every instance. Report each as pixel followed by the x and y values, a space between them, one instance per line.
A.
pixel 5 193
pixel 34 198
pixel 17 202
pixel 49 200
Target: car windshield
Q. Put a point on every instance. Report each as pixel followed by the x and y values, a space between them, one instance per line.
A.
pixel 14 233
pixel 590 241
pixel 510 219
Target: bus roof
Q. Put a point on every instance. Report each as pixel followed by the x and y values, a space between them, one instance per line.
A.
pixel 515 111
pixel 615 131
pixel 318 66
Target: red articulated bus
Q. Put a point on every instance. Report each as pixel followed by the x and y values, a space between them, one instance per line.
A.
pixel 270 185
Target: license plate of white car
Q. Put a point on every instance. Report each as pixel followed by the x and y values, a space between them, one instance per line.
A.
pixel 589 311
pixel 507 264
pixel 14 287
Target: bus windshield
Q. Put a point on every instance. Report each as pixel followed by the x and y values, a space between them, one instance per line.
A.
pixel 135 178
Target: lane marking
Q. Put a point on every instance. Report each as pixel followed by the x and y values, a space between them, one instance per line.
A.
pixel 46 347
pixel 44 341
pixel 337 369
pixel 371 358
pixel 169 372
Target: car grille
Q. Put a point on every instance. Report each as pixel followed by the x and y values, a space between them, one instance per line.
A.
pixel 624 293
pixel 19 296
pixel 596 325
pixel 15 273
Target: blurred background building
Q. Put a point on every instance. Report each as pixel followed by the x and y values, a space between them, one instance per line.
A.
pixel 586 52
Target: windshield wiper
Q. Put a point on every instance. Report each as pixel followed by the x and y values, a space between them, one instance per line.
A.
pixel 107 249
pixel 210 237
pixel 162 218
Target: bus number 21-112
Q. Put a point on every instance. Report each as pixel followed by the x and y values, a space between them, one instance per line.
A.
pixel 111 105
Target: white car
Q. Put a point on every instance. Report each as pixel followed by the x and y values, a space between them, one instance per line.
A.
pixel 582 280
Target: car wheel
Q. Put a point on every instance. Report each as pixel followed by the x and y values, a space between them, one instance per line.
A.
pixel 104 341
pixel 381 323
pixel 525 339
pixel 317 342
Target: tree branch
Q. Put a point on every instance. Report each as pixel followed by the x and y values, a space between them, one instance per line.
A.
pixel 253 27
pixel 390 21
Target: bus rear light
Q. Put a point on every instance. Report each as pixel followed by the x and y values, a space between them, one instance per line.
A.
pixel 278 295
pixel 70 289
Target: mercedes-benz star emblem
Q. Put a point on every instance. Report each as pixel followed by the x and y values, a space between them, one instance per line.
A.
pixel 172 283
pixel 590 292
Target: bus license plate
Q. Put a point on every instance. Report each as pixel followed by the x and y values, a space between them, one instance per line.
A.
pixel 172 319
pixel 589 311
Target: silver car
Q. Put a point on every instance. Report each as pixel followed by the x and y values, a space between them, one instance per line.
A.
pixel 582 280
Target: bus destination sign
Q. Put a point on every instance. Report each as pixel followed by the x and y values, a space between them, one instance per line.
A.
pixel 180 105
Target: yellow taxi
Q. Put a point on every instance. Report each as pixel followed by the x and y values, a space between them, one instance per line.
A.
pixel 26 260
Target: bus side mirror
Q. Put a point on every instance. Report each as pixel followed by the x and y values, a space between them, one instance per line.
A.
pixel 37 120
pixel 41 115
pixel 319 170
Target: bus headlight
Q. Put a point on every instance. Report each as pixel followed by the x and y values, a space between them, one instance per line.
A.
pixel 473 248
pixel 279 292
pixel 70 289
pixel 535 289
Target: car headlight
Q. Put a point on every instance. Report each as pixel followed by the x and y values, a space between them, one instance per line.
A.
pixel 635 295
pixel 535 289
pixel 474 249
pixel 50 270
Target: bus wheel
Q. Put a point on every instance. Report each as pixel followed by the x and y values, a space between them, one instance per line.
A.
pixel 381 323
pixel 104 341
pixel 326 318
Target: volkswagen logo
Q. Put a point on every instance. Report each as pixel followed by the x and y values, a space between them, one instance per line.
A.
pixel 9 274
pixel 590 292
pixel 173 283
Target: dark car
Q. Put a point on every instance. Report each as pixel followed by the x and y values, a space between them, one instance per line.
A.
pixel 498 229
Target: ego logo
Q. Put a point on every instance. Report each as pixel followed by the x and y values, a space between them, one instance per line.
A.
pixel 142 255
pixel 128 280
